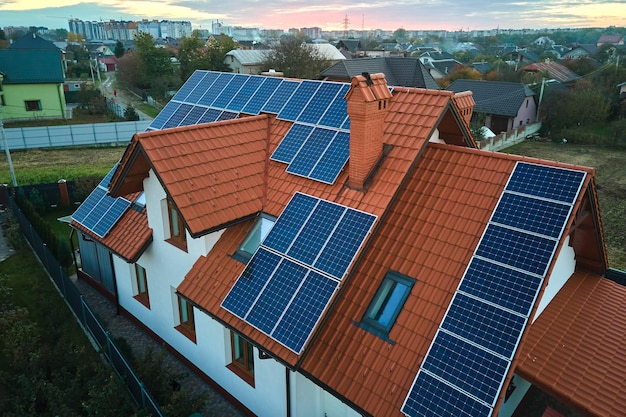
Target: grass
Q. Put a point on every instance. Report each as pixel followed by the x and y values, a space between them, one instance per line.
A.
pixel 147 109
pixel 60 229
pixel 610 165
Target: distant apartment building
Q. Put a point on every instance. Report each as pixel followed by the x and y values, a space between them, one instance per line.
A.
pixel 126 30
pixel 312 33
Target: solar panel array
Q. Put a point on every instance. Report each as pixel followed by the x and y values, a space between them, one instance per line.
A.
pixel 287 285
pixel 467 363
pixel 99 212
pixel 317 107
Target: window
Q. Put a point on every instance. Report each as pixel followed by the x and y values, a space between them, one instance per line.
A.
pixel 142 286
pixel 177 228
pixel 386 304
pixel 33 105
pixel 242 355
pixel 527 103
pixel 186 319
pixel 254 238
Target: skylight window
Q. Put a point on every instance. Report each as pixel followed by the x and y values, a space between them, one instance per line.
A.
pixel 383 311
pixel 254 238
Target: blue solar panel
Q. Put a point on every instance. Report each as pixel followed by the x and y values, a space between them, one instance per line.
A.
pixel 227 115
pixel 299 100
pixel 108 177
pixel 88 205
pixel 194 116
pixel 346 124
pixel 318 228
pixel 333 160
pixel 305 311
pixel 227 94
pixel 344 243
pixel 116 210
pixel 203 86
pixel 288 300
pixel 98 211
pixel 245 93
pixel 517 249
pixel 165 114
pixel 291 143
pixel 290 222
pixel 538 216
pixel 546 181
pixel 337 112
pixel 276 295
pixel 178 116
pixel 431 397
pixel 503 286
pixel 189 86
pixel 484 324
pixel 216 89
pixel 249 285
pixel 311 151
pixel 280 97
pixel 210 115
pixel 324 96
pixel 466 366
pixel 262 95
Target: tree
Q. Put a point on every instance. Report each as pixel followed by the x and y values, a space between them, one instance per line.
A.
pixel 156 70
pixel 399 35
pixel 192 55
pixel 75 37
pixel 216 49
pixel 119 49
pixel 296 59
pixel 459 72
pixel 60 34
pixel 130 114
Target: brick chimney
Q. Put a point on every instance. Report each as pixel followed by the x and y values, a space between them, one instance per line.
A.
pixel 464 102
pixel 368 103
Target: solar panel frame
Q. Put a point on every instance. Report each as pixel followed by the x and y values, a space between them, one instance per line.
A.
pixel 333 160
pixel 245 93
pixel 194 116
pixel 227 115
pixel 210 115
pixel 163 116
pixel 88 205
pixel 262 95
pixel 280 97
pixel 466 367
pixel 190 84
pixel 178 116
pixel 484 324
pixel 216 89
pixel 311 151
pixel 337 111
pixel 433 397
pixel 289 223
pixel 203 86
pixel 317 106
pixel 291 143
pixel 103 226
pixel 230 91
pixel 299 100
pixel 555 183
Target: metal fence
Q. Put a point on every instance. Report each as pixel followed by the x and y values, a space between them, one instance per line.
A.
pixel 94 134
pixel 84 315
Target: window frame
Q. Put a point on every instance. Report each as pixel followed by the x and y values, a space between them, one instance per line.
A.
pixel 243 369
pixel 243 255
pixel 377 305
pixel 142 278
pixel 28 104
pixel 186 327
pixel 180 239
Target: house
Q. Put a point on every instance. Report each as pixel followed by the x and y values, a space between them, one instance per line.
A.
pixel 616 39
pixel 399 71
pixel 107 63
pixel 553 70
pixel 581 51
pixel 519 58
pixel 245 61
pixel 504 105
pixel 352 46
pixel 31 80
pixel 440 68
pixel 403 272
pixel 327 52
pixel 429 56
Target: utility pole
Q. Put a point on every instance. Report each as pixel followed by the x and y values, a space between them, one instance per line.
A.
pixel 6 150
pixel 543 83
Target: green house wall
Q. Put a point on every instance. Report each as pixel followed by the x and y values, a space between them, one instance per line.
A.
pixel 15 96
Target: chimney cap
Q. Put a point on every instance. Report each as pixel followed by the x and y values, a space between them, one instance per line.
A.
pixel 368 79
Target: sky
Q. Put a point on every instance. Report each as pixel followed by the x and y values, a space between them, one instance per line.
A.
pixel 449 15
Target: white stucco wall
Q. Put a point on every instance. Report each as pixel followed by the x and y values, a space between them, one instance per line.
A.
pixel 563 269
pixel 309 400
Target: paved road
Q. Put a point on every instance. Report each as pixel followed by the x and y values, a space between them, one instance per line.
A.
pixel 121 96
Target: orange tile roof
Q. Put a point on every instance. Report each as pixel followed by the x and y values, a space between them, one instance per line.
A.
pixel 128 238
pixel 214 173
pixel 575 348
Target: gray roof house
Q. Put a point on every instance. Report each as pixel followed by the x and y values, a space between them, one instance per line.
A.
pixel 503 105
pixel 399 71
pixel 245 61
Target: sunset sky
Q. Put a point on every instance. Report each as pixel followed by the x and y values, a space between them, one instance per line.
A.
pixel 329 15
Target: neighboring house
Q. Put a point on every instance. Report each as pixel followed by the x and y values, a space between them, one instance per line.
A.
pixel 31 80
pixel 327 51
pixel 440 68
pixel 622 89
pixel 245 61
pixel 553 70
pixel 482 67
pixel 504 105
pixel 108 63
pixel 429 56
pixel 544 41
pixel 352 46
pixel 610 40
pixel 519 58
pixel 399 71
pixel 417 278
pixel 580 51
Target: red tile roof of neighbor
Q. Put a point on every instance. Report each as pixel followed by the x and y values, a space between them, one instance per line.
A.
pixel 433 202
pixel 575 349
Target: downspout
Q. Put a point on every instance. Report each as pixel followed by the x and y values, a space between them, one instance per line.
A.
pixel 288 391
